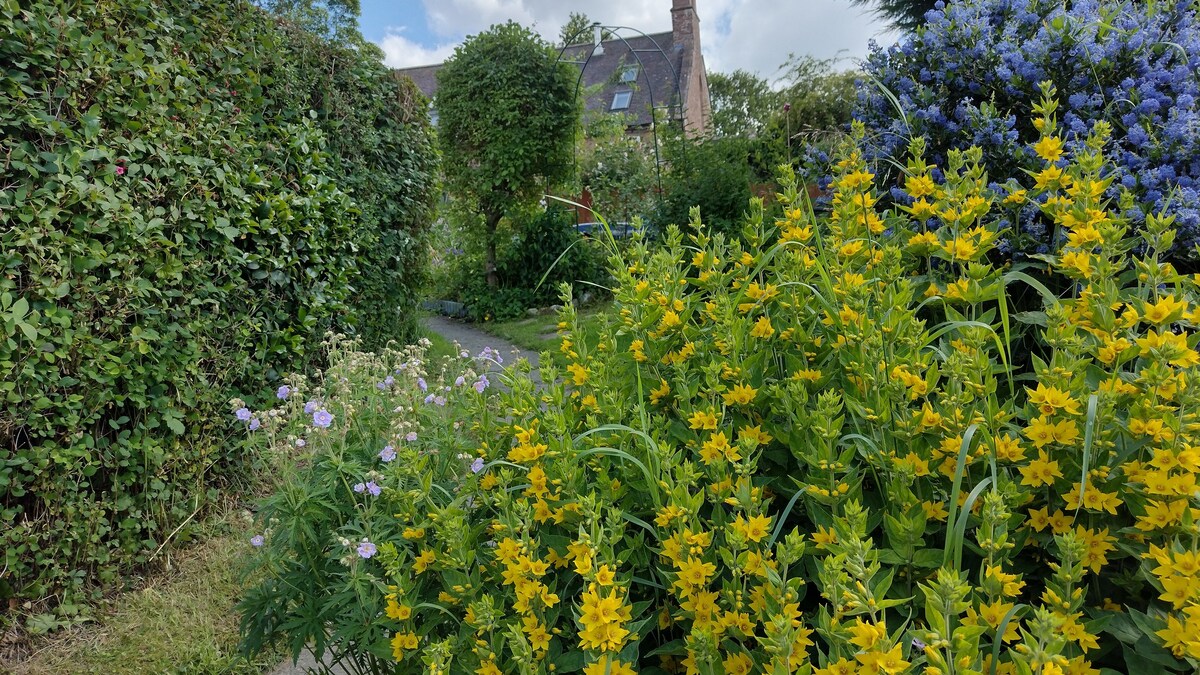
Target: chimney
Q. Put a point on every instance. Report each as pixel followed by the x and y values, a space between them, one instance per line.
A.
pixel 693 85
pixel 598 35
pixel 685 24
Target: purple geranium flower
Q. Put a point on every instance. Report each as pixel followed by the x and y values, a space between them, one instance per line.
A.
pixel 481 384
pixel 388 453
pixel 257 540
pixel 283 392
pixel 439 400
pixel 366 549
pixel 460 381
pixel 421 384
pixel 373 489
pixel 429 398
pixel 410 436
pixel 322 418
pixel 360 487
pixel 243 414
pixel 254 424
pixel 477 465
pixel 311 407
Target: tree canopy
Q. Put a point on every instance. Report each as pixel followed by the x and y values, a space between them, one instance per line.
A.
pixel 507 119
pixel 906 15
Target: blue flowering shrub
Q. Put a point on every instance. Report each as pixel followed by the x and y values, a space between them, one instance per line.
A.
pixel 966 77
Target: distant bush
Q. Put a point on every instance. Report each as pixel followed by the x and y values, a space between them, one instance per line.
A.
pixel 964 79
pixel 712 174
pixel 537 251
pixel 175 227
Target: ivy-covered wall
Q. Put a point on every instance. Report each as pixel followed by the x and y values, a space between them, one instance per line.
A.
pixel 191 194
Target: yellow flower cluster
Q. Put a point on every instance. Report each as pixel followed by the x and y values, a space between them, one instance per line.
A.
pixel 854 442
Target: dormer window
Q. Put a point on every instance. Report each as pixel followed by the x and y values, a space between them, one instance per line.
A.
pixel 629 74
pixel 621 100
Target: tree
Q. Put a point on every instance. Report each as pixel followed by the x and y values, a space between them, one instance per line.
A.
pixel 907 15
pixel 334 19
pixel 507 120
pixel 819 103
pixel 574 30
pixel 742 103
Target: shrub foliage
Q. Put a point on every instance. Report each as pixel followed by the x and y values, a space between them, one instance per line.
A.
pixel 174 227
pixel 806 449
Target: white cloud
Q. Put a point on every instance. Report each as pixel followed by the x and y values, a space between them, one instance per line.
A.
pixel 754 35
pixel 401 52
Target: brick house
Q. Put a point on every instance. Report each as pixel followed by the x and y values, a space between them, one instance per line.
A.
pixel 625 74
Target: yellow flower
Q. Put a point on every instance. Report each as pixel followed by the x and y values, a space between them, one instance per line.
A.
pixel 659 394
pixel 402 642
pixel 1065 432
pixel 488 668
pixel 1050 176
pixel 865 635
pixel 702 419
pixel 762 328
pixel 839 667
pixel 579 372
pixel 1049 148
pixel 754 529
pixel 693 573
pixel 960 249
pixel 760 437
pixel 741 394
pixel 397 611
pixel 919 186
pixel 423 561
pixel 889 662
pixel 935 510
pixel 1161 311
pixel 1040 431
pixel 609 666
pixel 1050 399
pixel 718 446
pixel 855 180
pixel 1016 197
pixel 1078 261
pixel 1041 471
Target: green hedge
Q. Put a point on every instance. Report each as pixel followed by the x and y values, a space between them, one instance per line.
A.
pixel 178 223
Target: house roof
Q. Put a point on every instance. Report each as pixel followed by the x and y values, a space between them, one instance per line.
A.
pixel 657 57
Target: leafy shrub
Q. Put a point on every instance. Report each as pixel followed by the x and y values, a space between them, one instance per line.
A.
pixel 382 152
pixel 617 170
pixel 809 452
pixel 169 239
pixel 964 79
pixel 712 174
pixel 538 251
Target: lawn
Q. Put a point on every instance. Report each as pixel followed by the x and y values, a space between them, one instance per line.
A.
pixel 181 620
pixel 540 333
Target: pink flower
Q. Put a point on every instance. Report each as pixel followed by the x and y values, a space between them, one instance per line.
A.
pixel 120 170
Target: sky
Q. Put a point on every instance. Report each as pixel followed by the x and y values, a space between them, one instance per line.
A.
pixel 753 35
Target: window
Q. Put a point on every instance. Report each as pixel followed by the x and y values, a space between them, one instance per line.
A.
pixel 629 74
pixel 621 100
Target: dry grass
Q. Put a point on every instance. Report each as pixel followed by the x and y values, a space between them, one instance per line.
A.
pixel 181 620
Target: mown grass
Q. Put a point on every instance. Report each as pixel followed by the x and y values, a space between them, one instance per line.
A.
pixel 540 333
pixel 182 620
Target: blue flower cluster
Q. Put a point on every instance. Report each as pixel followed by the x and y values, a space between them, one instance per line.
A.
pixel 971 75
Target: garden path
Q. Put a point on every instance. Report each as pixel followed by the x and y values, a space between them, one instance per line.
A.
pixel 474 341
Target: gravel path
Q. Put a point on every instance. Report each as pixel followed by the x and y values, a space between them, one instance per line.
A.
pixel 474 341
